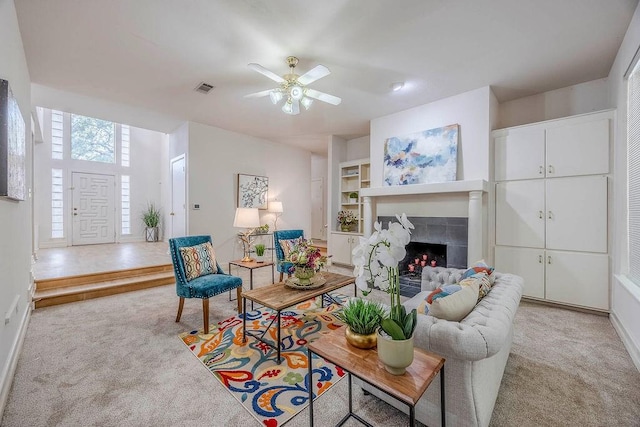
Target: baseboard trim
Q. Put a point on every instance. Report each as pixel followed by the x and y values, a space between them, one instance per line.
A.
pixel 12 363
pixel 631 347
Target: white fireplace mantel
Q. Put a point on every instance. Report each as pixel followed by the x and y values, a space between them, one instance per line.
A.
pixel 475 188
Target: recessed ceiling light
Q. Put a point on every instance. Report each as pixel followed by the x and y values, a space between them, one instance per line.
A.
pixel 397 86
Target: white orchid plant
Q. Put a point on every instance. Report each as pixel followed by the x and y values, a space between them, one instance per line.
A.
pixel 376 262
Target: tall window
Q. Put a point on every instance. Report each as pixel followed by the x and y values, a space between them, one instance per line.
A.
pixel 92 139
pixel 125 200
pixel 57 133
pixel 57 221
pixel 124 145
pixel 633 155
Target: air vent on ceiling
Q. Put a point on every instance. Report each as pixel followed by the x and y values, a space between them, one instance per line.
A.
pixel 204 88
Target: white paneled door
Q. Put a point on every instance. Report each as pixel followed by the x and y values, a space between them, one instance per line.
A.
pixel 178 197
pixel 318 231
pixel 94 209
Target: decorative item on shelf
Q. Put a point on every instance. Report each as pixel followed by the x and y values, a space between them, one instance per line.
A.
pixel 307 261
pixel 362 318
pixel 247 218
pixel 353 197
pixel 376 264
pixel 346 219
pixel 260 248
pixel 263 229
pixel 275 206
pixel 151 220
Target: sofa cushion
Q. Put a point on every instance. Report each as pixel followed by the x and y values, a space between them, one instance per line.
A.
pixel 198 260
pixel 456 306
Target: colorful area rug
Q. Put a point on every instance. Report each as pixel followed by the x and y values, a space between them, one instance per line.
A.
pixel 272 393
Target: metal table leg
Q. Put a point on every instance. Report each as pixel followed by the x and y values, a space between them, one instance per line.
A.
pixel 309 359
pixel 279 344
pixel 442 410
pixel 244 320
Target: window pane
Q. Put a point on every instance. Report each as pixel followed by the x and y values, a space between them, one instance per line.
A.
pixel 124 201
pixel 92 139
pixel 633 152
pixel 57 191
pixel 125 145
pixel 56 134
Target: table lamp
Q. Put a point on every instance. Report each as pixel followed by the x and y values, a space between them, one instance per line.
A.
pixel 276 207
pixel 249 219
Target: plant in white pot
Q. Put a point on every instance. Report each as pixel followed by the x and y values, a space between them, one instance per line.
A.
pixel 151 220
pixel 376 264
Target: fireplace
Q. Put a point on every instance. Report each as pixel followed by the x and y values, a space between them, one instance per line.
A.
pixel 441 239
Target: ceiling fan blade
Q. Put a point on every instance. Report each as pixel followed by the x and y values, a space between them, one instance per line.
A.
pixel 324 97
pixel 295 107
pixel 259 68
pixel 317 72
pixel 259 94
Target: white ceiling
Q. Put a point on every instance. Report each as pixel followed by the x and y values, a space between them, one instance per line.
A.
pixel 150 54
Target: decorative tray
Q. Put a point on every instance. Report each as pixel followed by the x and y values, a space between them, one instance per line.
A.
pixel 316 282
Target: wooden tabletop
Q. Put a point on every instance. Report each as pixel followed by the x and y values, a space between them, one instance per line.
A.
pixel 278 296
pixel 365 364
pixel 250 264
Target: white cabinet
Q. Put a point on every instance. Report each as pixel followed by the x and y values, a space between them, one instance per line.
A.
pixel 341 245
pixel 575 278
pixel 354 176
pixel 564 213
pixel 564 147
pixel 551 208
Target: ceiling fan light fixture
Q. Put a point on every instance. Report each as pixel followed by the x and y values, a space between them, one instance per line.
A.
pixel 306 102
pixel 397 86
pixel 276 96
pixel 288 107
pixel 296 92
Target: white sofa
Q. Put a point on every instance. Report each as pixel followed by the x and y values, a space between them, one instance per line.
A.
pixel 476 351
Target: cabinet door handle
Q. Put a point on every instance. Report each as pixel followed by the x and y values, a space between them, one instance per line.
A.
pixel 550 168
pixel 550 215
pixel 540 214
pixel 540 259
pixel 549 259
pixel 541 170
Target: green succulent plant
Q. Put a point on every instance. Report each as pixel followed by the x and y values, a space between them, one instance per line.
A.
pixel 259 247
pixel 362 316
pixel 400 324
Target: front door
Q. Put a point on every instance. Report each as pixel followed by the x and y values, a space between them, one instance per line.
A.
pixel 94 209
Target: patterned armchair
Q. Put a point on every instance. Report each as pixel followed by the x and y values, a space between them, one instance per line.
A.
pixel 282 265
pixel 202 287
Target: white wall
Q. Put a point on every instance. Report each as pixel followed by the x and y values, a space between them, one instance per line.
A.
pixel 320 170
pixel 358 148
pixel 625 297
pixel 146 151
pixel 470 110
pixel 15 217
pixel 337 152
pixel 568 101
pixel 216 157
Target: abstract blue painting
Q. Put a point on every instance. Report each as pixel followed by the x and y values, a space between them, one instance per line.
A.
pixel 423 157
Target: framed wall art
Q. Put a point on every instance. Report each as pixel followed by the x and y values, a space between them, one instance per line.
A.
pixel 423 157
pixel 252 191
pixel 12 146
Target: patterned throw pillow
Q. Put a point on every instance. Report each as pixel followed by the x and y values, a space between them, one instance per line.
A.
pixel 479 267
pixel 287 245
pixel 457 306
pixel 483 281
pixel 441 292
pixel 198 260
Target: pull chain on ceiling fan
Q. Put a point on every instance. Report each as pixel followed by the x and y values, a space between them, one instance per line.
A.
pixel 293 88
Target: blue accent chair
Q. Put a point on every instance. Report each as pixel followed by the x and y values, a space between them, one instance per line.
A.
pixel 202 287
pixel 282 265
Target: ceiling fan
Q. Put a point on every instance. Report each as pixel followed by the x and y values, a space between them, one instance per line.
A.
pixel 293 88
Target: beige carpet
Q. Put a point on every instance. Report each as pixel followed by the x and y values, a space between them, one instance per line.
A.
pixel 117 361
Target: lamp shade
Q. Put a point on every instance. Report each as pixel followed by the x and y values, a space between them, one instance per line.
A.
pixel 275 206
pixel 246 218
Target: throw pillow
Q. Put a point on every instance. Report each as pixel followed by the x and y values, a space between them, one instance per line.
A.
pixel 479 267
pixel 199 260
pixel 423 307
pixel 457 306
pixel 287 245
pixel 483 281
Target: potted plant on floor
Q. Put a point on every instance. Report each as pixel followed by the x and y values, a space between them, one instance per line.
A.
pixel 362 318
pixel 260 248
pixel 151 220
pixel 376 264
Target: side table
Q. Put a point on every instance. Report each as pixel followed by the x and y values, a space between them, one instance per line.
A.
pixel 364 364
pixel 252 265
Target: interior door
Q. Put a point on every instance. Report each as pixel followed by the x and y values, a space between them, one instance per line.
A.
pixel 317 210
pixel 94 209
pixel 178 197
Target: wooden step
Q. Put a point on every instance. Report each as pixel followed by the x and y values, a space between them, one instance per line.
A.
pixel 84 279
pixel 133 280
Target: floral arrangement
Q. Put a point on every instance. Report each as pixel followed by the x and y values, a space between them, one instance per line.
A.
pixel 376 264
pixel 305 255
pixel 346 217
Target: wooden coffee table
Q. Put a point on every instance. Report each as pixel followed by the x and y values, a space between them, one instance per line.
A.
pixel 365 365
pixel 278 297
